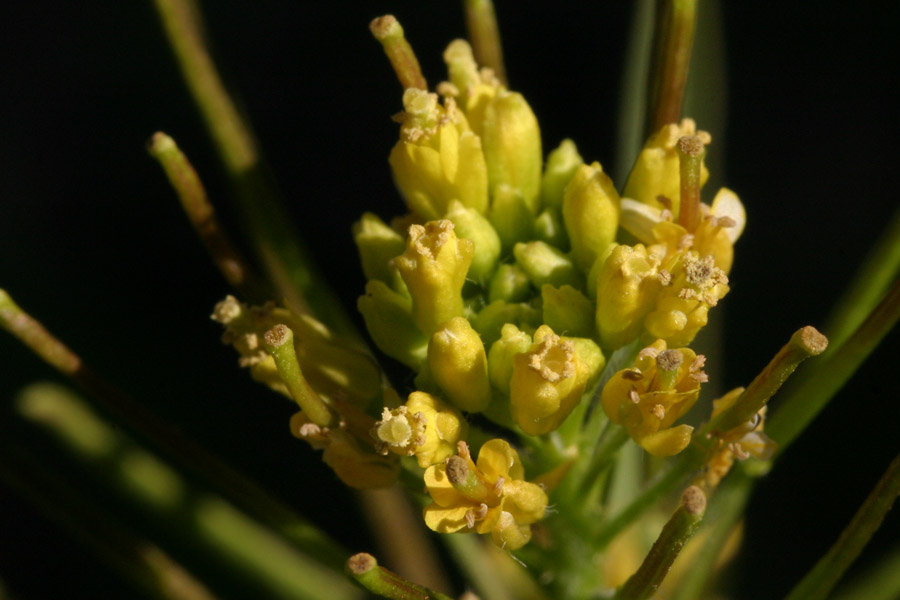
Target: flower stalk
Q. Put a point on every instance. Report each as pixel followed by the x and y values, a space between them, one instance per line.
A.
pixel 388 31
pixel 481 23
pixel 674 39
pixel 366 571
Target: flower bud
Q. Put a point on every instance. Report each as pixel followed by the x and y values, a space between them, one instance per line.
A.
pixel 434 267
pixel 591 213
pixel 490 320
pixel 388 317
pixel 510 284
pixel 438 158
pixel 512 146
pixel 562 164
pixel 475 88
pixel 545 264
pixel 567 310
pixel 547 383
pixel 549 227
pixel 513 341
pixel 472 225
pixel 656 172
pixel 378 244
pixel 627 288
pixel 458 363
pixel 510 216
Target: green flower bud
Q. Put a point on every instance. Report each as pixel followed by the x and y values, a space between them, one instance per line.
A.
pixel 378 244
pixel 545 264
pixel 512 146
pixel 549 227
pixel 591 213
pixel 512 341
pixel 492 317
pixel 510 216
pixel 434 267
pixel 627 288
pixel 591 356
pixel 458 364
pixel 388 317
pixel 510 283
pixel 568 311
pixel 561 166
pixel 472 225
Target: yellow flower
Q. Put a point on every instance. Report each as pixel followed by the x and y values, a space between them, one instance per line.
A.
pixel 458 364
pixel 547 382
pixel 434 267
pixel 655 178
pixel 648 398
pixel 425 427
pixel 488 497
pixel 438 158
pixel 682 306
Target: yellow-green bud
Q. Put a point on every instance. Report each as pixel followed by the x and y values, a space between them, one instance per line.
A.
pixel 476 88
pixel 388 317
pixel 510 284
pixel 561 166
pixel 510 216
pixel 356 466
pixel 458 363
pixel 656 172
pixel 512 146
pixel 627 288
pixel 512 341
pixel 568 311
pixel 591 213
pixel 378 244
pixel 434 267
pixel 472 225
pixel 591 356
pixel 490 320
pixel 438 158
pixel 549 227
pixel 545 264
pixel 547 383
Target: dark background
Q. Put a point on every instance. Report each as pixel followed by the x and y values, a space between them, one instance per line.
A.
pixel 93 243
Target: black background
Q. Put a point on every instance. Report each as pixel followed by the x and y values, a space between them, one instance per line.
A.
pixel 93 242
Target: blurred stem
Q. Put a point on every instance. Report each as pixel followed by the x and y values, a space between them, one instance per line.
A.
pixel 365 570
pixel 817 385
pixel 200 212
pixel 675 534
pixel 603 458
pixel 878 582
pixel 878 271
pixel 129 413
pixel 285 259
pixel 471 555
pixel 819 582
pixel 211 525
pixel 138 560
pixel 481 23
pixel 674 38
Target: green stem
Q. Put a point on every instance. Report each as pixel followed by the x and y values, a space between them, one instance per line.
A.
pixel 675 23
pixel 202 216
pixel 286 261
pixel 878 271
pixel 603 458
pixel 675 534
pixel 481 23
pixel 388 31
pixel 211 525
pixel 177 445
pixel 279 342
pixel 878 582
pixel 805 342
pixel 819 582
pixel 138 560
pixel 816 386
pixel 364 569
pixel 471 556
pixel 725 513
